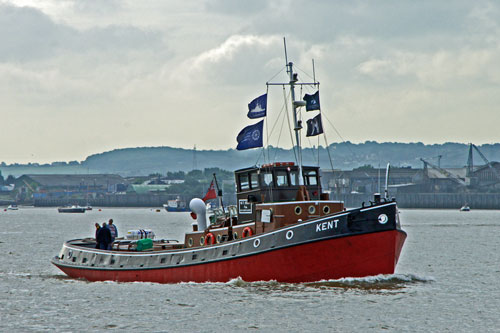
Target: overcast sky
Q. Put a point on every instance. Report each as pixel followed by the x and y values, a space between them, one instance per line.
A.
pixel 83 77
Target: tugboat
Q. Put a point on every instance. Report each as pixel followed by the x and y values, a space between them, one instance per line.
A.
pixel 283 228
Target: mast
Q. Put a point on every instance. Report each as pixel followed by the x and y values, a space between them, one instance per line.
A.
pixel 297 123
pixel 386 191
pixel 219 193
pixel 293 81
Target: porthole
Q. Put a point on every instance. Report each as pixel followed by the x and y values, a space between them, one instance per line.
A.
pixel 312 209
pixel 190 242
pixel 256 243
pixel 326 209
pixel 202 240
pixel 218 238
pixel 298 210
pixel 235 236
pixel 289 234
pixel 382 219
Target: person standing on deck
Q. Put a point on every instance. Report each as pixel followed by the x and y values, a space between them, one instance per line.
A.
pixel 97 227
pixel 104 237
pixel 113 229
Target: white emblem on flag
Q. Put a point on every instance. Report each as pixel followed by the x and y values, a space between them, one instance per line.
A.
pixel 255 135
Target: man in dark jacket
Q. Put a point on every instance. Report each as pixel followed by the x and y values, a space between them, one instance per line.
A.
pixel 104 237
pixel 97 227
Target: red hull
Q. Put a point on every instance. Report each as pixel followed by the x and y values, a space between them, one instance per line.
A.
pixel 352 256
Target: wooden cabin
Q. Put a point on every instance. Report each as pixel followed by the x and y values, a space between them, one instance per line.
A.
pixel 274 182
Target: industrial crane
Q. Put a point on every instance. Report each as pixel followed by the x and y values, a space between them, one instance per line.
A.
pixel 495 172
pixel 449 175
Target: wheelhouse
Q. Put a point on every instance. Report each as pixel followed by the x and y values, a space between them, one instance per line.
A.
pixel 274 182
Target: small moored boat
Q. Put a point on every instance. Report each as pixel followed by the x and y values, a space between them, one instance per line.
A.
pixel 465 208
pixel 71 209
pixel 176 205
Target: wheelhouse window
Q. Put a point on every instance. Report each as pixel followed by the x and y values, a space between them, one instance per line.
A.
pixel 281 178
pixel 267 178
pixel 294 177
pixel 243 180
pixel 254 180
pixel 311 177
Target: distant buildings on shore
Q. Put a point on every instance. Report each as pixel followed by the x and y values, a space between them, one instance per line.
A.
pixel 102 188
pixel 408 180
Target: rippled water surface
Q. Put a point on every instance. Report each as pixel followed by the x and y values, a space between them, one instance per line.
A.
pixel 447 280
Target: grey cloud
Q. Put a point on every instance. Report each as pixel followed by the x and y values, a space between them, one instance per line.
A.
pixel 97 6
pixel 231 7
pixel 27 34
pixel 388 20
pixel 116 38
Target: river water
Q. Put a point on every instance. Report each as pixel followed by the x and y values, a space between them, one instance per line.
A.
pixel 447 280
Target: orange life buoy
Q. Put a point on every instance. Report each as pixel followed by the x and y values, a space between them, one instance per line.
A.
pixel 209 239
pixel 247 232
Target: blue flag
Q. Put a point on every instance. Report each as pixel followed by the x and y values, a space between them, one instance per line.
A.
pixel 250 136
pixel 312 101
pixel 257 107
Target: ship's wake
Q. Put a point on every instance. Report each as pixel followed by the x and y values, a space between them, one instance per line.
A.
pixel 381 281
pixel 370 283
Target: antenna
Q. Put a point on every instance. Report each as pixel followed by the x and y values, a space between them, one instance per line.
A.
pixel 378 189
pixel 195 163
pixel 286 56
pixel 314 73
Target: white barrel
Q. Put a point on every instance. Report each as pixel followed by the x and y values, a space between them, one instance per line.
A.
pixel 140 234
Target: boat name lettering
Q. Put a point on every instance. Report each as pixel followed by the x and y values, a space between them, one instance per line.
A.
pixel 326 225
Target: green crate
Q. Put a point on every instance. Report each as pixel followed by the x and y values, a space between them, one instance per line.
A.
pixel 144 244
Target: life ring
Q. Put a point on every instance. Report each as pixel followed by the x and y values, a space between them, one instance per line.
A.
pixel 247 232
pixel 210 239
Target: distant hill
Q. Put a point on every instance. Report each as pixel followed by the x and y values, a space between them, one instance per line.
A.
pixel 346 156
